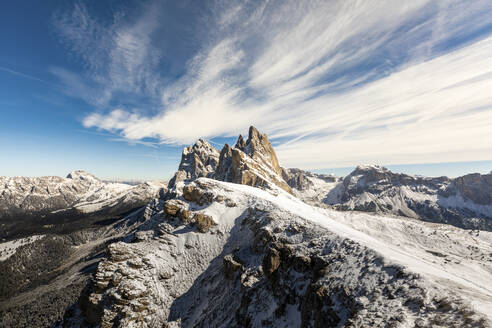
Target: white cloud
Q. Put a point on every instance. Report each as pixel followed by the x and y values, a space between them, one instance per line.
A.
pixel 437 111
pixel 336 83
pixel 117 56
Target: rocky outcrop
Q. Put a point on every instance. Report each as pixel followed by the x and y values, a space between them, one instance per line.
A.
pixel 199 160
pixel 224 170
pixel 464 202
pixel 259 148
pixel 252 162
pixel 79 191
pixel 261 266
pixel 475 187
pixel 303 180
pixel 203 222
pixel 310 187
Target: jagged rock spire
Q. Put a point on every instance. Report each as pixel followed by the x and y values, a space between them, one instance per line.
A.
pixel 259 148
pixel 252 162
pixel 199 160
pixel 223 171
pixel 240 144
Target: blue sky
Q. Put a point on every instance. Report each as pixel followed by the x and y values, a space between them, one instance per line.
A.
pixel 119 87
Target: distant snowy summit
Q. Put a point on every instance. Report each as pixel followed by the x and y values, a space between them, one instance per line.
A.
pixel 80 192
pixel 464 201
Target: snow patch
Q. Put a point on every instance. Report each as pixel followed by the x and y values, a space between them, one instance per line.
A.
pixel 9 248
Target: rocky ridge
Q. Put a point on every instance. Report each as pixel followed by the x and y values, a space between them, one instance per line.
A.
pixel 198 160
pixel 464 201
pixel 79 191
pixel 216 254
pixel 261 263
pixel 44 276
pixel 209 253
pixel 252 162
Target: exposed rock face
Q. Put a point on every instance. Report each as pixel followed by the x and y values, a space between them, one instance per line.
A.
pixel 80 191
pixel 252 162
pixel 297 179
pixel 312 188
pixel 259 148
pixel 224 172
pixel 303 180
pixel 262 266
pixel 203 222
pixel 475 187
pixel 195 194
pixel 199 160
pixel 231 266
pixel 463 202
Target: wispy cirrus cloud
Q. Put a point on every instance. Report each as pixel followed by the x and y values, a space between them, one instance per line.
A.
pixel 24 75
pixel 334 82
pixel 117 56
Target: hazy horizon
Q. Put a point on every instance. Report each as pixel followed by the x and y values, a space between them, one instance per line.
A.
pixel 451 170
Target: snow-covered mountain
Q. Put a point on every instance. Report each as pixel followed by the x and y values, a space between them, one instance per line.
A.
pixel 231 246
pixel 463 202
pixel 239 241
pixel 53 232
pixel 252 162
pixel 79 191
pixel 218 254
pixel 310 187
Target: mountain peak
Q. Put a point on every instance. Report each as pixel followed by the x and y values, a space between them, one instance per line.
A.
pixel 371 167
pixel 199 160
pixel 259 148
pixel 81 175
pixel 253 132
pixel 200 145
pixel 240 144
pixel 252 162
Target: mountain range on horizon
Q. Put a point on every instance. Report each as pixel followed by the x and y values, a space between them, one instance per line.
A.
pixel 234 232
pixel 246 164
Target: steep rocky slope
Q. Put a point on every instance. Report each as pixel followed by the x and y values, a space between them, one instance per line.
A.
pixel 79 190
pixel 236 242
pixel 29 204
pixel 464 202
pixel 199 160
pixel 218 254
pixel 54 230
pixel 310 187
pixel 43 276
pixel 252 162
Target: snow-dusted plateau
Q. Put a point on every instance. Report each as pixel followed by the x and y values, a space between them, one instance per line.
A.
pixel 236 240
